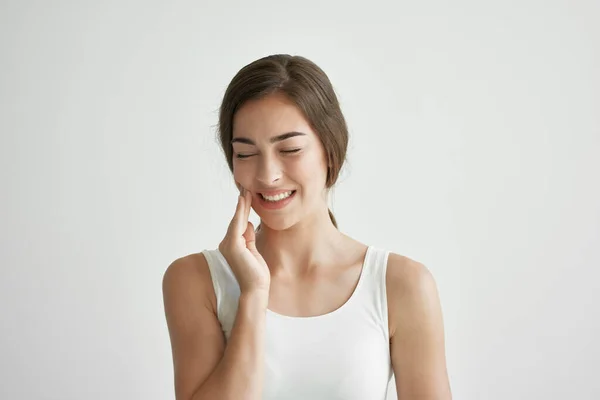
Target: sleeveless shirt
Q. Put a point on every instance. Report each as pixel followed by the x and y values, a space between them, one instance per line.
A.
pixel 341 355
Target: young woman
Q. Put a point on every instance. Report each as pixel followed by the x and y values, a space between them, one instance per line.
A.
pixel 297 309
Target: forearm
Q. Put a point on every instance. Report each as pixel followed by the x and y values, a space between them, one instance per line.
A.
pixel 239 374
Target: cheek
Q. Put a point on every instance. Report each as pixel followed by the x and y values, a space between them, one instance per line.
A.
pixel 242 174
pixel 311 170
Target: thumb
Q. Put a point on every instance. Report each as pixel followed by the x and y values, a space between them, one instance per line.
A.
pixel 250 236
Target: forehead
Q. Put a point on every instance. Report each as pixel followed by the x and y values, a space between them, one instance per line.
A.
pixel 269 116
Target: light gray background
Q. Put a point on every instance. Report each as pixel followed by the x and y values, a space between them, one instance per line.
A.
pixel 475 150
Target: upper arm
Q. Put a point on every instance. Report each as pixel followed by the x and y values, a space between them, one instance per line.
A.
pixel 416 331
pixel 197 341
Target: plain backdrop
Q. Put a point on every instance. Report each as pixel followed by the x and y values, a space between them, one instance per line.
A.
pixel 475 149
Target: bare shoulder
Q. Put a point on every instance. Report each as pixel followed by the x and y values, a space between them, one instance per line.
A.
pixel 189 266
pixel 416 326
pixel 411 289
pixel 404 273
pixel 189 276
pixel 197 340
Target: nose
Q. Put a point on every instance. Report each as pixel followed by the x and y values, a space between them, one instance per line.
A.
pixel 269 171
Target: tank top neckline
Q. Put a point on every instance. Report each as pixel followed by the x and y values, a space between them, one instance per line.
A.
pixel 346 304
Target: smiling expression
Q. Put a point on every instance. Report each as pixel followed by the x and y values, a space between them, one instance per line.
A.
pixel 275 150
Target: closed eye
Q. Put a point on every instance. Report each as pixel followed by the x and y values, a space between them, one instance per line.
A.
pixel 244 156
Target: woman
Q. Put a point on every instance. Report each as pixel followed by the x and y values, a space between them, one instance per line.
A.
pixel 297 309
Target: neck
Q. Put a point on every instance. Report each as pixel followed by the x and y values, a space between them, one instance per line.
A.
pixel 311 243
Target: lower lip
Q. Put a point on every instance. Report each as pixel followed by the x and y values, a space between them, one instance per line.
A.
pixel 275 205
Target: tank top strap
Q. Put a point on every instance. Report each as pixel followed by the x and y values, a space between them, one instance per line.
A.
pixel 227 289
pixel 376 270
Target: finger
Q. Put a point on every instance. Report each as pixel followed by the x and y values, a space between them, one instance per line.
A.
pixel 248 203
pixel 235 224
pixel 243 214
pixel 250 236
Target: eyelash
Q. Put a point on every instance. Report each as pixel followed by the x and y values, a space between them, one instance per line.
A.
pixel 244 156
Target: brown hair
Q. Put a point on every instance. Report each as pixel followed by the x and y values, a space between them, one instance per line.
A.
pixel 305 84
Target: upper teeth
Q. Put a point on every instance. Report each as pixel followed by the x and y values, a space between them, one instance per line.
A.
pixel 277 197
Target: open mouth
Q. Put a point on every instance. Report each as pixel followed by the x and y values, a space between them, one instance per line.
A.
pixel 277 202
pixel 278 197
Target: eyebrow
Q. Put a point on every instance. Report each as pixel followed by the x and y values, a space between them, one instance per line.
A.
pixel 274 139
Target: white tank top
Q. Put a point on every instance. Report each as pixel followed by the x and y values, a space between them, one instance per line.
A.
pixel 342 355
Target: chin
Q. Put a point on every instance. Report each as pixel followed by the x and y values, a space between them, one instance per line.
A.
pixel 278 224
